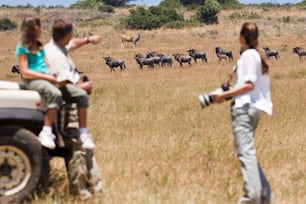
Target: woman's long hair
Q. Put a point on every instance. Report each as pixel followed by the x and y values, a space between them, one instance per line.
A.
pixel 249 32
pixel 29 34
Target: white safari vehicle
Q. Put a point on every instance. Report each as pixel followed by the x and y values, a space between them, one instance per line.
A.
pixel 24 163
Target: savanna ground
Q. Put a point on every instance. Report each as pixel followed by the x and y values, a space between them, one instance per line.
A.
pixel 154 143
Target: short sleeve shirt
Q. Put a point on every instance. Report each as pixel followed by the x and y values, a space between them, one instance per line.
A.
pixel 249 69
pixel 36 61
pixel 62 62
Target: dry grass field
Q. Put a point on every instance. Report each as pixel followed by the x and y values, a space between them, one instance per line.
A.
pixel 154 143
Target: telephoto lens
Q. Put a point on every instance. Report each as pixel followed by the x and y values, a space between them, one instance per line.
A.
pixel 206 99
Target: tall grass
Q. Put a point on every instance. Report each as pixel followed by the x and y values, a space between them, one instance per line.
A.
pixel 155 144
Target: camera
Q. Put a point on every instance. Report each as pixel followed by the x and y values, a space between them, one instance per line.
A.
pixel 85 78
pixel 206 98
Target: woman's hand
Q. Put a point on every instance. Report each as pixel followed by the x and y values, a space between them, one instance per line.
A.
pixel 242 89
pixel 50 78
pixel 218 98
pixel 230 78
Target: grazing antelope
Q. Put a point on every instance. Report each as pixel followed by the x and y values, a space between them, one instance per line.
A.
pixel 182 59
pixel 141 60
pixel 221 57
pixel 301 52
pixel 221 53
pixel 197 55
pixel 130 38
pixel 155 57
pixel 271 53
pixel 113 63
pixel 164 58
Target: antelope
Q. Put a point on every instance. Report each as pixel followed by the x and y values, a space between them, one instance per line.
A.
pixel 113 63
pixel 164 58
pixel 180 58
pixel 141 60
pixel 130 38
pixel 197 55
pixel 221 57
pixel 271 53
pixel 301 52
pixel 221 53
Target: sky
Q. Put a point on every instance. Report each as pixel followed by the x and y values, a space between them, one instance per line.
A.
pixel 67 3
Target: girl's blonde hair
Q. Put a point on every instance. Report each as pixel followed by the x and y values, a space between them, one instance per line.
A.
pixel 29 33
pixel 249 32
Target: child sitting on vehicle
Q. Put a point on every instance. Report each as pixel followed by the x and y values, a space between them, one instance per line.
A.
pixel 38 76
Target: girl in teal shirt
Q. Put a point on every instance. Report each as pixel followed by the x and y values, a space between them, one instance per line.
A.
pixel 38 76
pixel 36 61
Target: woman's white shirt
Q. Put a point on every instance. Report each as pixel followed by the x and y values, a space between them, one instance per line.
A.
pixel 249 69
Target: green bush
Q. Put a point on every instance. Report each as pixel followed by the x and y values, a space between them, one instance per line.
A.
pixel 225 4
pixel 115 3
pixel 166 14
pixel 303 3
pixel 106 9
pixel 190 2
pixel 83 4
pixel 141 18
pixel 208 13
pixel 192 7
pixel 171 3
pixel 7 24
pixel 175 24
pixel 230 4
pixel 152 18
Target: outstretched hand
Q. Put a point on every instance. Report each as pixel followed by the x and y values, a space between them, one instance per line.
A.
pixel 95 39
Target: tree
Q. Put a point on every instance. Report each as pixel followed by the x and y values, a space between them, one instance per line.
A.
pixel 302 3
pixel 188 2
pixel 92 3
pixel 171 3
pixel 141 18
pixel 208 13
pixel 7 24
pixel 152 18
pixel 115 2
pixel 229 3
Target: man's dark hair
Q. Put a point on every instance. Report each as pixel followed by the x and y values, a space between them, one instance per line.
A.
pixel 61 28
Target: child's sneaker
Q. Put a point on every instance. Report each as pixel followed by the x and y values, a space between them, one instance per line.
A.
pixel 86 139
pixel 47 140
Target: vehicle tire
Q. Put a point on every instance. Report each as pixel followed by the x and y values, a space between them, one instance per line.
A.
pixel 21 164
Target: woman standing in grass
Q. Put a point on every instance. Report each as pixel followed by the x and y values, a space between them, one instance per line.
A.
pixel 38 76
pixel 251 94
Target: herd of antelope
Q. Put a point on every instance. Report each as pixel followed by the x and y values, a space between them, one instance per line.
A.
pixel 153 59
